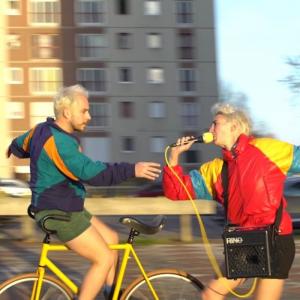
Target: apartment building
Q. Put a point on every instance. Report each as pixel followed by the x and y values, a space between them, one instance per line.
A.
pixel 149 67
pixel 5 169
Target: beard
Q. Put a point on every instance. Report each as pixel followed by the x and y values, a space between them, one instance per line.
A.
pixel 80 127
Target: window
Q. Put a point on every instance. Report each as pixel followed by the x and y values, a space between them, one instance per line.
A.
pixel 126 109
pixel 100 113
pixel 154 40
pixel 189 114
pixel 184 12
pixel 91 146
pixel 125 74
pixel 122 7
pixel 46 12
pixel 94 80
pixel 128 144
pixel 185 40
pixel 45 80
pixel 45 46
pixel 187 80
pixel 152 7
pixel 39 111
pixel 13 7
pixel 90 12
pixel 155 75
pixel 14 76
pixel 90 46
pixel 157 144
pixel 124 40
pixel 157 109
pixel 13 41
pixel 14 110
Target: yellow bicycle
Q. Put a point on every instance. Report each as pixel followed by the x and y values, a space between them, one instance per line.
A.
pixel 163 284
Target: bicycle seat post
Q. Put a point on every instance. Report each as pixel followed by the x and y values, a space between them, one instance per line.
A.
pixel 132 234
pixel 46 239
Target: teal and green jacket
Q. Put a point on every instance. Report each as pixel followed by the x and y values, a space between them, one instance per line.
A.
pixel 59 169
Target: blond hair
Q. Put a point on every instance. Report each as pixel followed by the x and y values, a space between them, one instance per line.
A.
pixel 234 113
pixel 66 96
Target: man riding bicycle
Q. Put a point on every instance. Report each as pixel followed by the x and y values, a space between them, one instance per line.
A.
pixel 58 171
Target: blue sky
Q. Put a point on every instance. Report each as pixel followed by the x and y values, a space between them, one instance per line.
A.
pixel 254 38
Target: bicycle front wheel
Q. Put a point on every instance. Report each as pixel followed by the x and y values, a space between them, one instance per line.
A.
pixel 20 288
pixel 169 285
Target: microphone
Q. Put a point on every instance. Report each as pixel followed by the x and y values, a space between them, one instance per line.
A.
pixel 206 137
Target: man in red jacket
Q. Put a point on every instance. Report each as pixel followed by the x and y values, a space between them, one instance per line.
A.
pixel 257 169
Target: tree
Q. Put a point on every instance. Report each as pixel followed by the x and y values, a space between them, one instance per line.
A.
pixel 293 80
pixel 228 94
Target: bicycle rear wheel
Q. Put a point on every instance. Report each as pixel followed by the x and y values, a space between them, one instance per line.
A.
pixel 20 288
pixel 169 285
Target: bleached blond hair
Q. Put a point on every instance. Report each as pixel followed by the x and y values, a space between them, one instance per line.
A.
pixel 234 113
pixel 66 96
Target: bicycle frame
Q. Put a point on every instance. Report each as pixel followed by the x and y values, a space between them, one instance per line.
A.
pixel 46 262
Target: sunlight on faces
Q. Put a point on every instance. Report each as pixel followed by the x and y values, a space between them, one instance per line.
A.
pixel 79 115
pixel 225 131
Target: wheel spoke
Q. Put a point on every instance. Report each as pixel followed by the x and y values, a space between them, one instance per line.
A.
pixel 168 286
pixel 20 288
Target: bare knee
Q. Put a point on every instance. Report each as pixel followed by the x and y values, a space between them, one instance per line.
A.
pixel 106 259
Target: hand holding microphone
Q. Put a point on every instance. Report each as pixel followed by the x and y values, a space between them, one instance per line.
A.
pixel 206 137
pixel 183 144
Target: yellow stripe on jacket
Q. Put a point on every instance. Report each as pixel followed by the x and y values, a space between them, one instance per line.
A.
pixel 282 159
pixel 210 172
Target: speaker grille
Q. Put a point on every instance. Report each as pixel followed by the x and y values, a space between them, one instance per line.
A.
pixel 247 261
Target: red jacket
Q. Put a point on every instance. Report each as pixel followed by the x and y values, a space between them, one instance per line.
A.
pixel 257 169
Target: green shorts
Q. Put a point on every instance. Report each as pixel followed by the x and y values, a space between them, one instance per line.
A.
pixel 66 230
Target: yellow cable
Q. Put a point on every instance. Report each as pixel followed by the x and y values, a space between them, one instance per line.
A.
pixel 207 245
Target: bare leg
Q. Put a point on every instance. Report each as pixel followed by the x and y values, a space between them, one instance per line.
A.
pixel 269 289
pixel 110 237
pixel 217 288
pixel 92 246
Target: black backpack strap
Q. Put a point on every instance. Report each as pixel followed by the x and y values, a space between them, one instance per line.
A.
pixel 278 217
pixel 225 182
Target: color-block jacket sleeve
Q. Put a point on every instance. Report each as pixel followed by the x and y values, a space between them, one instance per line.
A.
pixel 64 152
pixel 20 145
pixel 295 166
pixel 286 156
pixel 201 183
pixel 173 189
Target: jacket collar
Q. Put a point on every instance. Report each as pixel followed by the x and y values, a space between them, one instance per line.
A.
pixel 51 122
pixel 238 148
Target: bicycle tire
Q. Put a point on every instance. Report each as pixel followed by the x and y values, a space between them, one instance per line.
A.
pixel 169 284
pixel 20 287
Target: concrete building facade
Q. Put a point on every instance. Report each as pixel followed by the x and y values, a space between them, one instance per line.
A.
pixel 149 66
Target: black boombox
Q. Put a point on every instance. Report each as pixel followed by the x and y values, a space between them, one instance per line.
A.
pixel 248 252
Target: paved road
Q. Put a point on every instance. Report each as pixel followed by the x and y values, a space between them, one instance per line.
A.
pixel 19 256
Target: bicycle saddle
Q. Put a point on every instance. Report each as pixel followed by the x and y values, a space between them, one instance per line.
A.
pixel 42 222
pixel 152 227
